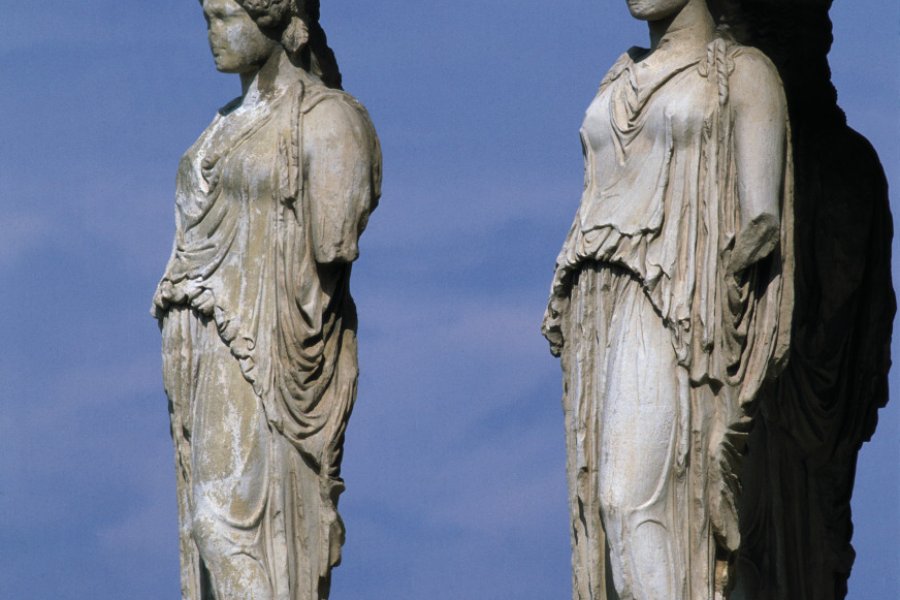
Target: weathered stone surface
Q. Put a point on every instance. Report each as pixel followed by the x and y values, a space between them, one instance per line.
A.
pixel 258 326
pixel 723 308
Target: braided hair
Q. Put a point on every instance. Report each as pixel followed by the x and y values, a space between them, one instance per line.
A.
pixel 729 18
pixel 730 30
pixel 296 24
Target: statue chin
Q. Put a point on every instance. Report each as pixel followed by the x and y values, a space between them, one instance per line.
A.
pixel 655 10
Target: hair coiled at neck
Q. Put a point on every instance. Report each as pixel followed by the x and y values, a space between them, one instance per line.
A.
pixel 296 24
pixel 729 18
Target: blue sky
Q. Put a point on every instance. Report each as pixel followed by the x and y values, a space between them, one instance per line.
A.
pixel 455 456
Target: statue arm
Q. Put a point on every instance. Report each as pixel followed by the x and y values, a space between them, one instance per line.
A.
pixel 760 137
pixel 343 166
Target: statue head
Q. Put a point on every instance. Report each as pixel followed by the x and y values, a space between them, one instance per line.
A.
pixel 251 27
pixel 655 10
pixel 727 14
pixel 238 45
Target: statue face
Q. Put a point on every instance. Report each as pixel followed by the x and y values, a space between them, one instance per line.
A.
pixel 655 10
pixel 236 42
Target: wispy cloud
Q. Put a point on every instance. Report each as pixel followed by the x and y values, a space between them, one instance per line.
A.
pixel 20 234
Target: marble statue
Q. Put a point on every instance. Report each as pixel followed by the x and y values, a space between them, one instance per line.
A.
pixel 258 326
pixel 671 305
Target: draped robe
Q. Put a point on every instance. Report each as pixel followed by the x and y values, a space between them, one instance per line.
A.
pixel 257 319
pixel 660 213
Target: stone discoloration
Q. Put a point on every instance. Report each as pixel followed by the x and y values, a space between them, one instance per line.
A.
pixel 259 346
pixel 671 306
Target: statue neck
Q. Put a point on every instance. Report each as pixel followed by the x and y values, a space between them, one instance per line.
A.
pixel 278 73
pixel 692 26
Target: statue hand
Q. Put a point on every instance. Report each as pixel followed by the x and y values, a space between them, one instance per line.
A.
pixel 204 302
pixel 755 241
pixel 551 327
pixel 166 295
pixel 160 302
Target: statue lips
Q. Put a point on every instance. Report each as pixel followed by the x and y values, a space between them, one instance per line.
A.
pixel 655 10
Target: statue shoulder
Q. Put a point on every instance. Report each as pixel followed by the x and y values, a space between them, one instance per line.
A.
pixel 332 112
pixel 324 101
pixel 618 67
pixel 740 71
pixel 755 76
pixel 752 62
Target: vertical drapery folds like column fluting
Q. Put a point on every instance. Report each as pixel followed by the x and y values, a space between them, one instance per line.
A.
pixel 799 472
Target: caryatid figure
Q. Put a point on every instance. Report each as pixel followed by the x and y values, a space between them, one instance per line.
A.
pixel 258 326
pixel 671 305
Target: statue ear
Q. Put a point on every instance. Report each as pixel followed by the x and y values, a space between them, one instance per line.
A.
pixel 295 35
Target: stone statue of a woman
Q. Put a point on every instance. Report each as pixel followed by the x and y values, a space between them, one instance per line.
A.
pixel 258 326
pixel 671 305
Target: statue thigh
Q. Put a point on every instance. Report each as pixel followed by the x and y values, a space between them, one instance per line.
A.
pixel 229 455
pixel 639 388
